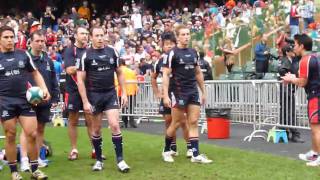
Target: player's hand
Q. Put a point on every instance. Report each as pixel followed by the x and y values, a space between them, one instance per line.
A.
pixel 87 108
pixel 167 102
pixel 124 100
pixel 203 99
pixel 159 95
pixel 288 78
pixel 46 95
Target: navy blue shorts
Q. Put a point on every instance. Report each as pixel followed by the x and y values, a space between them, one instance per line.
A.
pixel 73 102
pixel 11 107
pixel 164 110
pixel 182 100
pixel 103 101
pixel 42 113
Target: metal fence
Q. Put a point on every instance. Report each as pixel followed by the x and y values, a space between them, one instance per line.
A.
pixel 255 102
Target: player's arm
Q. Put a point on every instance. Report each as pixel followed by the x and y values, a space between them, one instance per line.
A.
pixel 302 80
pixel 71 68
pixel 121 80
pixel 167 70
pixel 40 82
pixel 81 76
pixel 36 75
pixel 200 79
pixel 154 84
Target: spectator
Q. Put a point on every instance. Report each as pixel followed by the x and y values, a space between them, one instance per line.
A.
pixel 30 19
pixel 84 11
pixel 262 55
pixel 51 37
pixel 47 19
pixel 145 68
pixel 74 16
pixel 131 90
pixel 22 41
pixel 186 16
pixel 289 64
pixel 140 53
pixel 307 12
pixel 205 67
pixel 294 19
pixel 136 20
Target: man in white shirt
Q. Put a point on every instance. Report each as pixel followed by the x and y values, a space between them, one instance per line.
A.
pixel 137 21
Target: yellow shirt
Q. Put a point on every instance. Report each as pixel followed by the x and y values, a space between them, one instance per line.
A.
pixel 130 78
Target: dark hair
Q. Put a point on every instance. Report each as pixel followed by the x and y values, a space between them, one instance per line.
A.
pixel 95 27
pixel 286 49
pixel 168 36
pixel 305 40
pixel 37 32
pixel 5 28
pixel 78 27
pixel 201 54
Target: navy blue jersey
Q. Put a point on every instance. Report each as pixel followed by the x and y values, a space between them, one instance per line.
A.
pixel 183 63
pixel 100 66
pixel 158 69
pixel 46 68
pixel 72 56
pixel 15 67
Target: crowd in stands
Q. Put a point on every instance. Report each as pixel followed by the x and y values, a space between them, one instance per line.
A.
pixel 135 31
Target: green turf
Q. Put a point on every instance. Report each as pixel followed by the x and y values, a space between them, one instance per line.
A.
pixel 143 154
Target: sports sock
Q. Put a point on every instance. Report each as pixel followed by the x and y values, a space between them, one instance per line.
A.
pixel 195 145
pixel 117 142
pixel 34 165
pixel 168 141
pixel 97 143
pixel 13 166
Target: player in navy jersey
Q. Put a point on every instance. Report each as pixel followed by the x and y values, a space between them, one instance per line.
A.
pixel 97 89
pixel 72 99
pixel 46 68
pixel 15 69
pixel 183 64
pixel 168 42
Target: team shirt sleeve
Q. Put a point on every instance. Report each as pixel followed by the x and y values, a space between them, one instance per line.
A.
pixel 69 59
pixel 304 68
pixel 116 58
pixel 82 62
pixel 167 60
pixel 30 66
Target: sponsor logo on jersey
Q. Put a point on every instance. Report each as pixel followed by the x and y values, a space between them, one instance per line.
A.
pixel 21 64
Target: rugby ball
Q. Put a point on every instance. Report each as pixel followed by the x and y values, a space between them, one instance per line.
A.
pixel 34 95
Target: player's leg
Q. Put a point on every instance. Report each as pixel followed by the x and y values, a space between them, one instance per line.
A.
pixel 9 127
pixel 112 114
pixel 185 131
pixel 193 114
pixel 24 160
pixel 43 117
pixel 177 114
pixel 73 118
pixel 29 126
pixel 96 139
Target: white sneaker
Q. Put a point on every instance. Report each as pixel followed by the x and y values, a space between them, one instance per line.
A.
pixel 16 176
pixel 25 166
pixel 123 167
pixel 98 166
pixel 314 163
pixel 42 163
pixel 174 153
pixel 167 157
pixel 201 159
pixel 309 156
pixel 189 153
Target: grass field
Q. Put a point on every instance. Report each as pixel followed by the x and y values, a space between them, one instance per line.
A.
pixel 143 154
